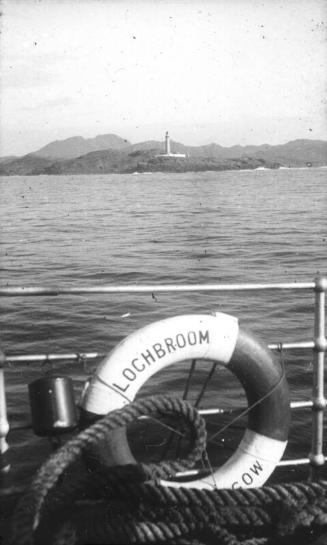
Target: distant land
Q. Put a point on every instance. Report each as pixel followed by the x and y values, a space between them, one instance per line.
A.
pixel 109 153
pixel 77 146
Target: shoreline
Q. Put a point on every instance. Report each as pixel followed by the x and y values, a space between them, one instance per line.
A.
pixel 137 173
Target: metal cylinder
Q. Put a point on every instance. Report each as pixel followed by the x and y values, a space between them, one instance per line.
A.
pixel 53 406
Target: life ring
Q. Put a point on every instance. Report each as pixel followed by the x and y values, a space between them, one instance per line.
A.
pixel 214 337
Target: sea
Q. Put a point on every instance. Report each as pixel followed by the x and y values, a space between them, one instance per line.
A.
pixel 157 228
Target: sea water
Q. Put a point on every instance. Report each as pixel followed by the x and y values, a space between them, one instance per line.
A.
pixel 211 227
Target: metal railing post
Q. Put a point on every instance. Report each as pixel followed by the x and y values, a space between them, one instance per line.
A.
pixel 316 456
pixel 4 424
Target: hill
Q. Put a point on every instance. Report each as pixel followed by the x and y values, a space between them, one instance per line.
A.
pixel 110 161
pixel 7 159
pixel 77 145
pixel 143 157
pixel 104 161
pixel 28 165
pixel 294 153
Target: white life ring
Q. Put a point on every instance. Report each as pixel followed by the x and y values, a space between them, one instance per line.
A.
pixel 207 337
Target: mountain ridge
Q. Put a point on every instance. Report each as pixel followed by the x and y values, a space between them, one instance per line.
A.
pixel 75 146
pixel 145 157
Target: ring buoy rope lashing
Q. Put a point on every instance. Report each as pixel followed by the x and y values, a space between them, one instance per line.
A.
pixel 217 338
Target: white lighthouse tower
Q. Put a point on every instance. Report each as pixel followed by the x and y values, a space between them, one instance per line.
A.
pixel 167 149
pixel 168 152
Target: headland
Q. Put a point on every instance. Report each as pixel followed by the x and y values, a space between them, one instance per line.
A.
pixel 106 154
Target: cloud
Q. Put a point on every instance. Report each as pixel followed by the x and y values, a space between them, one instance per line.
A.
pixel 22 75
pixel 50 104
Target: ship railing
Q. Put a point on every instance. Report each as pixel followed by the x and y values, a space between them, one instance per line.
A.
pixel 316 457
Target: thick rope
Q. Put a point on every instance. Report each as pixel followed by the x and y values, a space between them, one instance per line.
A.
pixel 125 504
pixel 27 514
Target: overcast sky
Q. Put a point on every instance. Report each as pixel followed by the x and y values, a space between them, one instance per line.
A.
pixel 225 71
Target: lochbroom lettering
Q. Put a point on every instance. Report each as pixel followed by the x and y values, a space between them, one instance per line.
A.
pixel 129 374
pixel 148 357
pixel 204 337
pixel 181 341
pixel 137 366
pixel 170 345
pixel 158 351
pixel 191 336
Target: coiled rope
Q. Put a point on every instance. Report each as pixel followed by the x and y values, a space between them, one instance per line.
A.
pixel 126 504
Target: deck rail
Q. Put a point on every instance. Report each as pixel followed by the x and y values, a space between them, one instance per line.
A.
pixel 318 287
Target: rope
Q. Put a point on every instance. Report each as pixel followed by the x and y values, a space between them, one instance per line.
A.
pixel 67 504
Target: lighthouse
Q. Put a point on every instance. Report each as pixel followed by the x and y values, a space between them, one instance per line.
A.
pixel 168 153
pixel 167 149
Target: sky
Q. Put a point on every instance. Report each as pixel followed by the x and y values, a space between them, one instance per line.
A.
pixel 224 71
